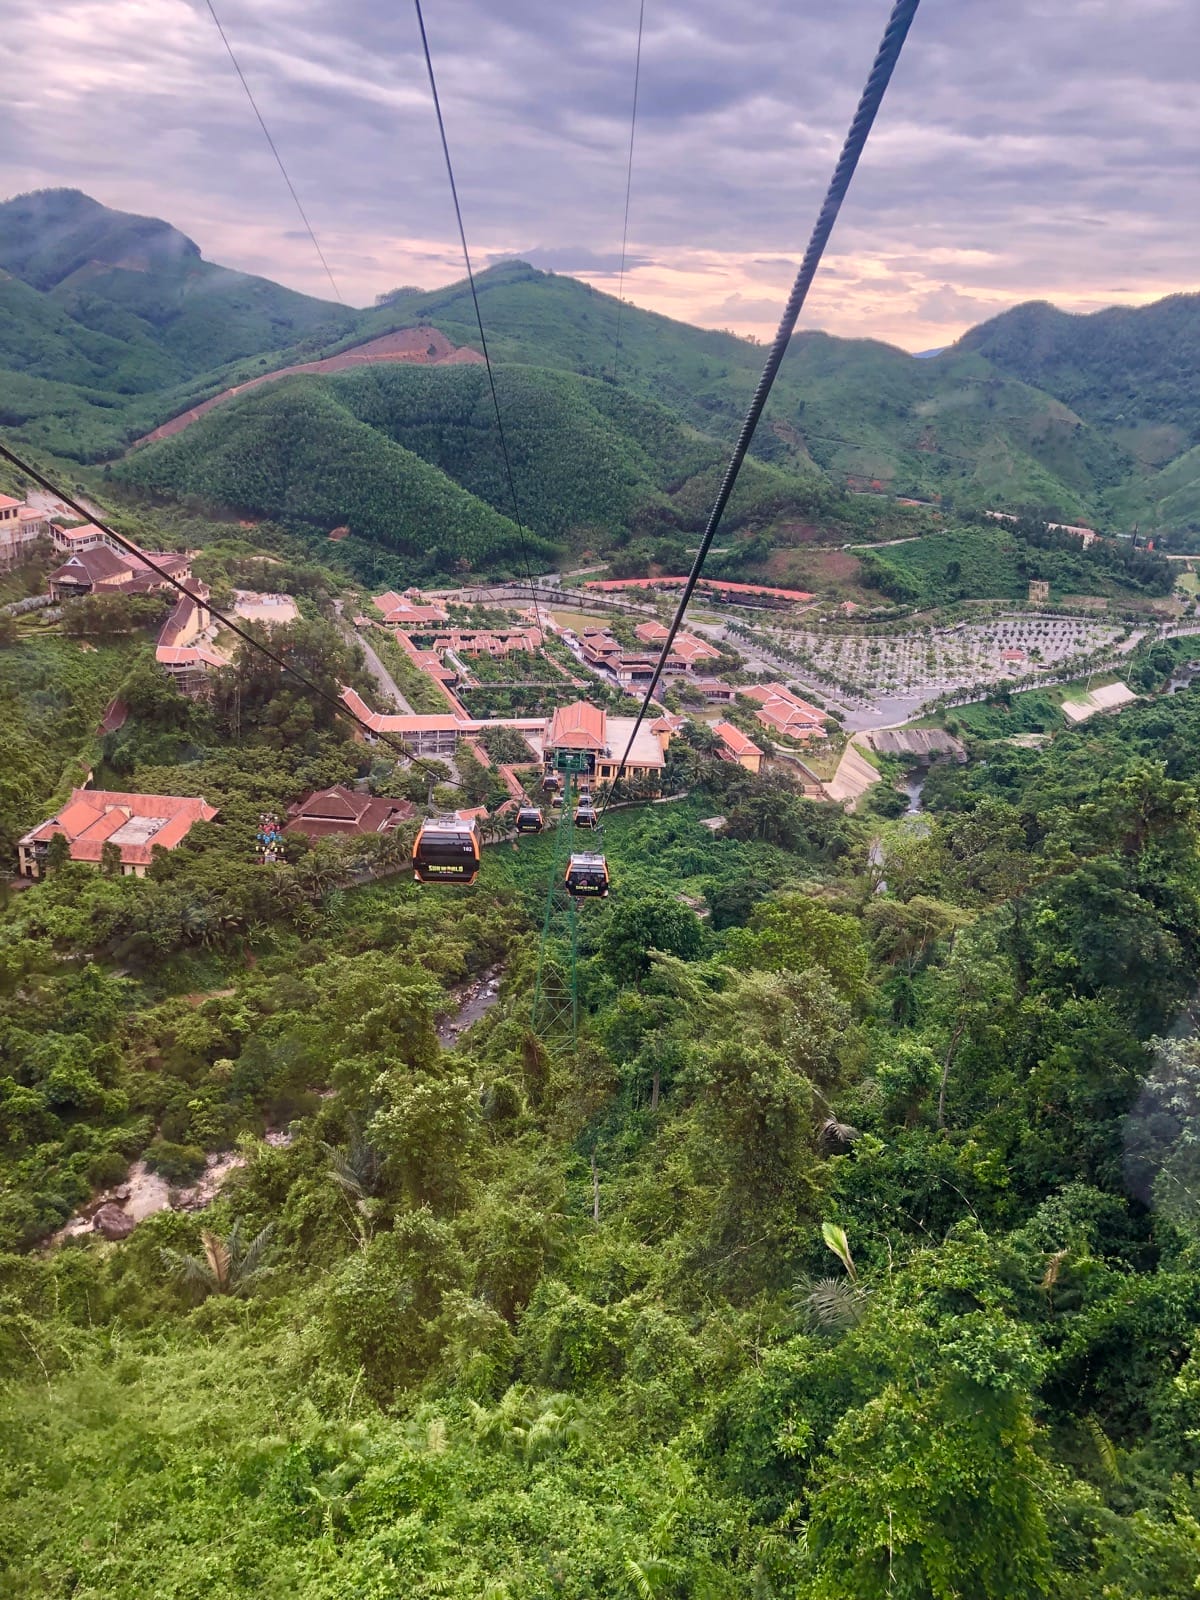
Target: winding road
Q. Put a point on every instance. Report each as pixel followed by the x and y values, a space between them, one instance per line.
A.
pixel 375 666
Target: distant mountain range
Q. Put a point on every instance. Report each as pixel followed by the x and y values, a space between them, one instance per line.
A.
pixel 111 325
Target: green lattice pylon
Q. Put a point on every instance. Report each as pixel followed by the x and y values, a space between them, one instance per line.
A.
pixel 555 990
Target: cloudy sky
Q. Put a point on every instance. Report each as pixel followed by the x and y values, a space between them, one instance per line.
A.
pixel 1027 149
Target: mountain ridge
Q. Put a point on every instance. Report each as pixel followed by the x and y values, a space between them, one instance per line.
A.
pixel 1086 418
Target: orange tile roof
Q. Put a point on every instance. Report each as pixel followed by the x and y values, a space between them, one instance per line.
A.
pixel 734 740
pixel 781 709
pixel 578 727
pixel 688 648
pixel 93 817
pixel 7 502
pixel 651 632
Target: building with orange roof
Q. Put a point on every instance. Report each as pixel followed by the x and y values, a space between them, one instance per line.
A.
pixel 137 824
pixel 100 568
pixel 603 741
pixel 735 746
pixel 688 652
pixel 579 726
pixel 783 712
pixel 601 649
pixel 715 690
pixel 180 651
pixel 340 810
pixel 651 632
pixel 409 610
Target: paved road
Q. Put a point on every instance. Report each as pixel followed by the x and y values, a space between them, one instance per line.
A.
pixel 374 665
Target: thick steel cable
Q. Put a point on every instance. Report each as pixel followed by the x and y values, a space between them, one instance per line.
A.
pixel 888 54
pixel 338 705
pixel 637 76
pixel 275 152
pixel 462 234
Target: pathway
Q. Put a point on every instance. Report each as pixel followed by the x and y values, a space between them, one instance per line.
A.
pixel 375 666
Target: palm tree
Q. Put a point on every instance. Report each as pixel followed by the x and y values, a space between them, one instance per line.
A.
pixel 227 1266
pixel 829 1305
pixel 357 1171
pixel 652 1576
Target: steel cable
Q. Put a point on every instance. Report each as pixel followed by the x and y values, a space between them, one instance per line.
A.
pixel 462 234
pixel 637 76
pixel 888 54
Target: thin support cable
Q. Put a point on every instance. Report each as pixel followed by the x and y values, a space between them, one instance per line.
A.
pixel 637 75
pixel 372 364
pixel 275 152
pixel 340 706
pixel 462 234
pixel 888 54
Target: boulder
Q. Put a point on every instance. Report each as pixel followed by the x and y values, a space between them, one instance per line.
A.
pixel 113 1223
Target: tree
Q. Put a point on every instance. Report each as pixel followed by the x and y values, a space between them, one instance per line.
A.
pixel 425 1132
pixel 649 922
pixel 58 852
pixel 228 1266
pixel 932 1492
pixel 110 859
pixel 152 696
pixel 794 932
pixel 972 992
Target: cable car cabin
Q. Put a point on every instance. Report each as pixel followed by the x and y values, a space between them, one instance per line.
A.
pixel 551 783
pixel 446 851
pixel 529 820
pixel 556 801
pixel 585 815
pixel 587 877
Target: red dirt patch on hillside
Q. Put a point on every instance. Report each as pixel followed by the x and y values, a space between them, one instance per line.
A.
pixel 422 347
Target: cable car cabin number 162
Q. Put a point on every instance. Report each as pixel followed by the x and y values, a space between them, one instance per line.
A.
pixel 446 851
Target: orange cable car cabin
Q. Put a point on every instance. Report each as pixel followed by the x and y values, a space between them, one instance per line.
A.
pixel 587 876
pixel 446 851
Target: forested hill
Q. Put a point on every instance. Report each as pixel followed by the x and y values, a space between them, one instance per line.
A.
pixel 1131 372
pixel 112 324
pixel 126 304
pixel 1127 368
pixel 406 457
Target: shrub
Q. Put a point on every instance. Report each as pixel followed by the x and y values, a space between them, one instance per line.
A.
pixel 177 1163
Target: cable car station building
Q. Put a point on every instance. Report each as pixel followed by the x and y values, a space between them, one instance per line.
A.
pixel 586 729
pixel 576 729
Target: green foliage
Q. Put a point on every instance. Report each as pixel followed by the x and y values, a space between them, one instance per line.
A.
pixel 986 562
pixel 795 933
pixel 539 1320
pixel 640 926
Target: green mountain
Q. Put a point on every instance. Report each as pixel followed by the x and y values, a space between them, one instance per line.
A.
pixel 294 452
pixel 127 304
pixel 863 412
pixel 112 324
pixel 858 409
pixel 1131 370
pixel 408 458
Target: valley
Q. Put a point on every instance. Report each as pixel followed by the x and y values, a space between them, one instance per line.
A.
pixel 763 1171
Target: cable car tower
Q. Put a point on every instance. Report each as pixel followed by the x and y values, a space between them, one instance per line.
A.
pixel 555 991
